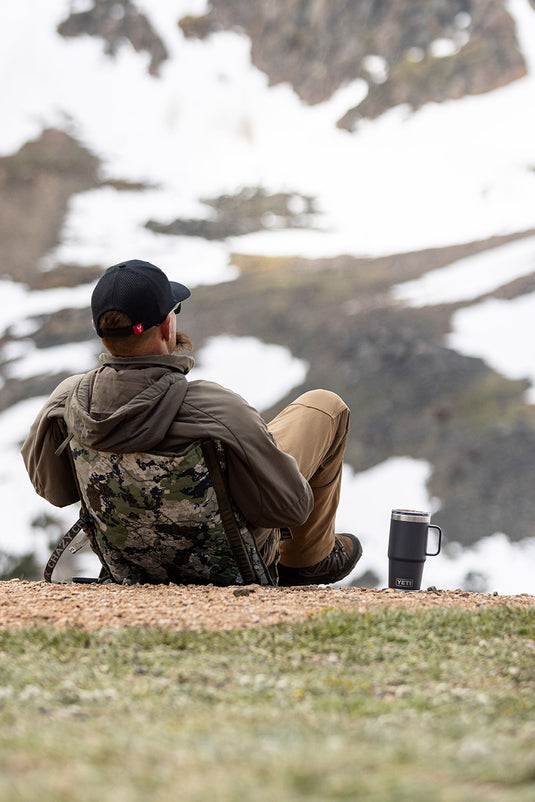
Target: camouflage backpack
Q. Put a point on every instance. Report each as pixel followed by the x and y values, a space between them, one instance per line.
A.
pixel 162 518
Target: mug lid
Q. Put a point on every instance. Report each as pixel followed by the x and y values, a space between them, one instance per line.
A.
pixel 413 516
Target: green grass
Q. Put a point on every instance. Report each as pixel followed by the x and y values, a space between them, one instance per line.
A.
pixel 391 705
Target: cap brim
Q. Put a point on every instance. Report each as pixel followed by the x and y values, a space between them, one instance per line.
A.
pixel 180 292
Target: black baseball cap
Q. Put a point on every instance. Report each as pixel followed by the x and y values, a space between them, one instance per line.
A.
pixel 138 289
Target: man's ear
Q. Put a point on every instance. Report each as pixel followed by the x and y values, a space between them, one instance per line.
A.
pixel 165 327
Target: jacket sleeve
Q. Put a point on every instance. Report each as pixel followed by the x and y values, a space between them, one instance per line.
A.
pixel 50 474
pixel 265 482
pixel 279 497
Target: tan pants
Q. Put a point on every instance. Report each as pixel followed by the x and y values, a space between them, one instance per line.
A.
pixel 314 429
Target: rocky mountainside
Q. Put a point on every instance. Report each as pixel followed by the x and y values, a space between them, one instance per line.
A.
pixel 410 395
pixel 318 46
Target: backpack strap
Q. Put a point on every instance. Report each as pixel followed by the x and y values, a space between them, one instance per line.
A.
pixel 62 544
pixel 251 573
pixel 84 522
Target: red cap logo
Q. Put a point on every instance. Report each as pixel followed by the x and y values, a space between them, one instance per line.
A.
pixel 138 328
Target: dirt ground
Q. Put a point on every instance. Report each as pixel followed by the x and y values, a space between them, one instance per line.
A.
pixel 194 607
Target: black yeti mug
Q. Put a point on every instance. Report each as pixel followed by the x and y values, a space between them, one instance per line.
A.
pixel 407 548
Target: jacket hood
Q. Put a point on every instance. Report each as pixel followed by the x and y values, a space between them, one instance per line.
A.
pixel 128 403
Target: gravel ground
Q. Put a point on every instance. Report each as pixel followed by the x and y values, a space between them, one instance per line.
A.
pixel 194 607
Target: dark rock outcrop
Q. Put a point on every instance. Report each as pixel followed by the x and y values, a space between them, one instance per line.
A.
pixel 36 184
pixel 251 209
pixel 117 22
pixel 318 46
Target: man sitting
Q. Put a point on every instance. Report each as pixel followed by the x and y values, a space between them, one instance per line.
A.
pixel 282 475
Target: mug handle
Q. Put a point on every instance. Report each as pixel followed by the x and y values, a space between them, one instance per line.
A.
pixel 434 553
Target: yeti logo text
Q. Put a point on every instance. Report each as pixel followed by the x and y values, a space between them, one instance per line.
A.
pixel 404 583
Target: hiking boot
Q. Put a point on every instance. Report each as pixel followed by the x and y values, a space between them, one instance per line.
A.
pixel 346 553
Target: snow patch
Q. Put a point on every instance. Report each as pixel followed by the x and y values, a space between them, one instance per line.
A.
pixel 469 278
pixel 261 373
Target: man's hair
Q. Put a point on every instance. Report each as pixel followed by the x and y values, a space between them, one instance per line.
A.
pixel 132 344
